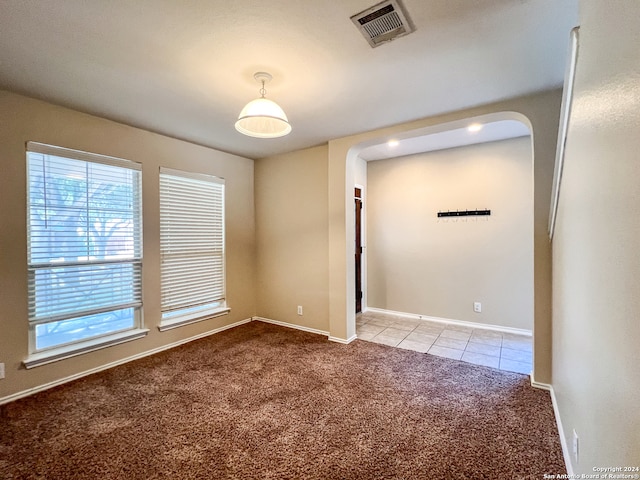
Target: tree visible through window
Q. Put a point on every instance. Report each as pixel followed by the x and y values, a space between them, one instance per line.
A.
pixel 84 245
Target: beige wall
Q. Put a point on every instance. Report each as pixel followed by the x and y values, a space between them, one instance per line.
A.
pixel 25 119
pixel 596 260
pixel 541 111
pixel 421 264
pixel 291 235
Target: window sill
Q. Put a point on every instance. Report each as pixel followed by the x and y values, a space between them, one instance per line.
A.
pixel 68 351
pixel 193 318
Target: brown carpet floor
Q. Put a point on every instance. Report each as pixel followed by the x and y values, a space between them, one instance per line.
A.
pixel 266 402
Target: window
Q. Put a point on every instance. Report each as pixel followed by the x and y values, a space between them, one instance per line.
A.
pixel 84 248
pixel 191 247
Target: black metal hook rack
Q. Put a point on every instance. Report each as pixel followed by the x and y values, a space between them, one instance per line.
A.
pixel 465 213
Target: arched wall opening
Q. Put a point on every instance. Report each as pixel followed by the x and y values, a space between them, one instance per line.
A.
pixel 438 268
pixel 540 113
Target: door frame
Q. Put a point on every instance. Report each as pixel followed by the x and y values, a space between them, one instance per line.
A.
pixel 363 244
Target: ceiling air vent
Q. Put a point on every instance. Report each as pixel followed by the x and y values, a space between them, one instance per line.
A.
pixel 383 22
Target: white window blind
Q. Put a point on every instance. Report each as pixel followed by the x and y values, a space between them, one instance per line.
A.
pixel 191 245
pixel 84 245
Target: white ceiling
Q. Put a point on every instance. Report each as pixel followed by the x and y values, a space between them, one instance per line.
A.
pixel 185 69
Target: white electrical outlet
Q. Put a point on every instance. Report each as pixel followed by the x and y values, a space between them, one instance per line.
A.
pixel 477 307
pixel 299 309
pixel 576 446
pixel 1 370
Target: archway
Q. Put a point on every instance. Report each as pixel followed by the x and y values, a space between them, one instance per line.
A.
pixel 540 113
pixel 424 267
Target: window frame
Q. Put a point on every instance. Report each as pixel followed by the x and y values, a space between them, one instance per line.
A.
pixel 180 317
pixel 48 354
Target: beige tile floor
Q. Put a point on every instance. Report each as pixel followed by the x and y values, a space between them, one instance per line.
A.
pixel 504 351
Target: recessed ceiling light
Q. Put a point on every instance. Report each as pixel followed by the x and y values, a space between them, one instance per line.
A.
pixel 393 143
pixel 474 127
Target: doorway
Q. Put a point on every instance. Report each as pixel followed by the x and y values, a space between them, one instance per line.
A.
pixel 358 249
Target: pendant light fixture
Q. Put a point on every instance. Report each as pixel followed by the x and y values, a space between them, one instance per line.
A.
pixel 263 118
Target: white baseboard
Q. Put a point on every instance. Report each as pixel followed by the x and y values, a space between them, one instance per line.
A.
pixel 342 340
pixel 291 325
pixel 462 323
pixel 55 383
pixel 540 385
pixel 306 329
pixel 563 439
